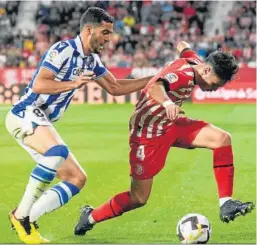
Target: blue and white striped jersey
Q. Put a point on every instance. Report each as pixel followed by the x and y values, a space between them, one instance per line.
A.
pixel 67 60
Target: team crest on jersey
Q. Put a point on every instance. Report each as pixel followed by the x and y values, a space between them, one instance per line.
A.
pixel 139 169
pixel 171 77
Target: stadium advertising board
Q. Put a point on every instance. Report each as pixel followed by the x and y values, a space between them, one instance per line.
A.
pixel 242 90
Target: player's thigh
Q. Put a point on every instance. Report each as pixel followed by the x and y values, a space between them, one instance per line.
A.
pixel 148 156
pixel 43 138
pixel 140 190
pixel 33 130
pixel 211 137
pixel 72 172
pixel 186 130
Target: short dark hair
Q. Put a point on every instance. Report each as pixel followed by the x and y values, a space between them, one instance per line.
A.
pixel 95 15
pixel 224 65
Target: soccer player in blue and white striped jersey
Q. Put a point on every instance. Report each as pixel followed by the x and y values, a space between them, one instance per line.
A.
pixel 66 67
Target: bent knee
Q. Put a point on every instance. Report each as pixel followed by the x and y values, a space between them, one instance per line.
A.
pixel 223 139
pixel 138 200
pixel 77 178
pixel 80 180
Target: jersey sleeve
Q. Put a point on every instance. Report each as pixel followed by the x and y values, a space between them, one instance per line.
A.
pixel 175 80
pixel 99 69
pixel 56 56
pixel 191 55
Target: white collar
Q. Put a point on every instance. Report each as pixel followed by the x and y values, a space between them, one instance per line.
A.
pixel 79 45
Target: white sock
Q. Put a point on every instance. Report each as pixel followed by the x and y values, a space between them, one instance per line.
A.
pixel 223 200
pixel 91 219
pixel 53 198
pixel 33 191
pixel 40 178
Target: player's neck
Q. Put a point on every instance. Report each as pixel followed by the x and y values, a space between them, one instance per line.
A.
pixel 85 45
pixel 198 79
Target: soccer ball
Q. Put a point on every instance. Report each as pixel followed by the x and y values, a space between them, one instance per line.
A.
pixel 194 228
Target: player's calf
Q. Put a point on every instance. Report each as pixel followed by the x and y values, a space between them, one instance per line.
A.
pixel 71 172
pixel 41 176
pixel 138 200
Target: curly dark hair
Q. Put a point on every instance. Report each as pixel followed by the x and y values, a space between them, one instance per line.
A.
pixel 224 65
pixel 95 15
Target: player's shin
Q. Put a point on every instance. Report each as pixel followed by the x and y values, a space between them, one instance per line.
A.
pixel 118 205
pixel 40 178
pixel 53 198
pixel 224 172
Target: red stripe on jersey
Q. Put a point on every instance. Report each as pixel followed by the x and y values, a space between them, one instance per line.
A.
pixel 142 103
pixel 147 128
pixel 167 125
pixel 141 99
pixel 179 77
pixel 136 117
pixel 156 124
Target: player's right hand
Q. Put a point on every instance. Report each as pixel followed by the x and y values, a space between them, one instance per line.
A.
pixel 172 111
pixel 84 78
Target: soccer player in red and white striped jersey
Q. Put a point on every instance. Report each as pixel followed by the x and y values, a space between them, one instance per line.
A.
pixel 156 126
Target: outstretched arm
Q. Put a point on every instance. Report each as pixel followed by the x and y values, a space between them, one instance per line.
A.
pixel 45 83
pixel 182 45
pixel 121 86
pixel 158 93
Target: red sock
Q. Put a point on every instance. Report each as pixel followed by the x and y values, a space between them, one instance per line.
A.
pixel 224 170
pixel 115 207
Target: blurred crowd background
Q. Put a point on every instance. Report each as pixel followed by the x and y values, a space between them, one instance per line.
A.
pixel 146 32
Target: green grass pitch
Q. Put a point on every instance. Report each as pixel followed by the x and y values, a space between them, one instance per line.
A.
pixel 98 136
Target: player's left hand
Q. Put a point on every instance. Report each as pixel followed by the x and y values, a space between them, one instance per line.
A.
pixel 173 111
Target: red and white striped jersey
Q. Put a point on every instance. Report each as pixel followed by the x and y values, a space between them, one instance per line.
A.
pixel 149 117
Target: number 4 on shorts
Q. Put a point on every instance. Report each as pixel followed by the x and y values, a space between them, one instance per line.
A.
pixel 141 152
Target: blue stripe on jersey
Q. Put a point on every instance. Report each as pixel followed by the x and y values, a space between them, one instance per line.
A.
pixel 73 64
pixel 51 67
pixel 99 70
pixel 61 46
pixel 26 102
pixel 67 70
pixel 68 103
pixel 73 44
pixel 64 63
pixel 49 101
pixel 84 63
pixel 38 68
pixel 60 105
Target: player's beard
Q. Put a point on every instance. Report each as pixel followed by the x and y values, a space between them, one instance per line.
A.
pixel 94 44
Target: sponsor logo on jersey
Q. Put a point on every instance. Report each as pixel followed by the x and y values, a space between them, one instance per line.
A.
pixel 77 71
pixel 53 54
pixel 171 77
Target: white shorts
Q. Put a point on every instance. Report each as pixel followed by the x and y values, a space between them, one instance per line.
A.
pixel 20 127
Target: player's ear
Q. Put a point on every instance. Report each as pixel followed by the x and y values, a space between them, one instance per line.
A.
pixel 88 29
